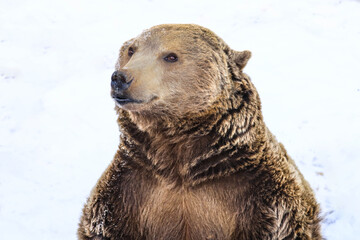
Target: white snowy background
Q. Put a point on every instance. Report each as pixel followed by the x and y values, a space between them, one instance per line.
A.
pixel 58 128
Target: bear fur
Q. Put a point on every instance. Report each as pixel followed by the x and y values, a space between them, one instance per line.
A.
pixel 195 160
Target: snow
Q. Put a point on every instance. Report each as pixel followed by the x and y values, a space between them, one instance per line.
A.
pixel 58 128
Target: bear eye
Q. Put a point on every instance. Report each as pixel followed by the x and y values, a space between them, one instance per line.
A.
pixel 131 51
pixel 171 58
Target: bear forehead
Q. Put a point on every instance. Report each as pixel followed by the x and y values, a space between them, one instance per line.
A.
pixel 184 36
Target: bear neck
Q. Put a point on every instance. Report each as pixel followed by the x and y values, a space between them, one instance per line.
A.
pixel 221 141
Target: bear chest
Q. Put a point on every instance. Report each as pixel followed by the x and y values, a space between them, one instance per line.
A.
pixel 180 213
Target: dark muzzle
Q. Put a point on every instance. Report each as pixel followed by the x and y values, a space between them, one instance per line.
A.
pixel 120 81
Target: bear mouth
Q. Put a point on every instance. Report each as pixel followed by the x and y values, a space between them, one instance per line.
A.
pixel 122 100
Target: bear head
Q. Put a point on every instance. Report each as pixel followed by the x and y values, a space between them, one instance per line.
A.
pixel 175 70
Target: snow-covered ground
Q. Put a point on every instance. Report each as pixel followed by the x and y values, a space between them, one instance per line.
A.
pixel 57 124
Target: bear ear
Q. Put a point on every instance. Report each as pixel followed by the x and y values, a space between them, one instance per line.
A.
pixel 241 58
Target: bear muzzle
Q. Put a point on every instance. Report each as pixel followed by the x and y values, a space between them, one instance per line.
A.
pixel 120 82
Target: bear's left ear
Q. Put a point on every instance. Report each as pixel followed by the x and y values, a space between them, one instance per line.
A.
pixel 241 58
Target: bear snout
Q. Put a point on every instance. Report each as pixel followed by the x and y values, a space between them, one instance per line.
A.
pixel 120 81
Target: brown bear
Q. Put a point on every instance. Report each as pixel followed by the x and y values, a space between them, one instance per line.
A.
pixel 195 160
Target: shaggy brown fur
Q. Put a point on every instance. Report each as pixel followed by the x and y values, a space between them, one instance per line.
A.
pixel 196 160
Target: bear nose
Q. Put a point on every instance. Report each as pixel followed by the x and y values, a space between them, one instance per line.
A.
pixel 119 81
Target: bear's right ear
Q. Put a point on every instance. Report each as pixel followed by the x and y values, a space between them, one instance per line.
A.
pixel 241 58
